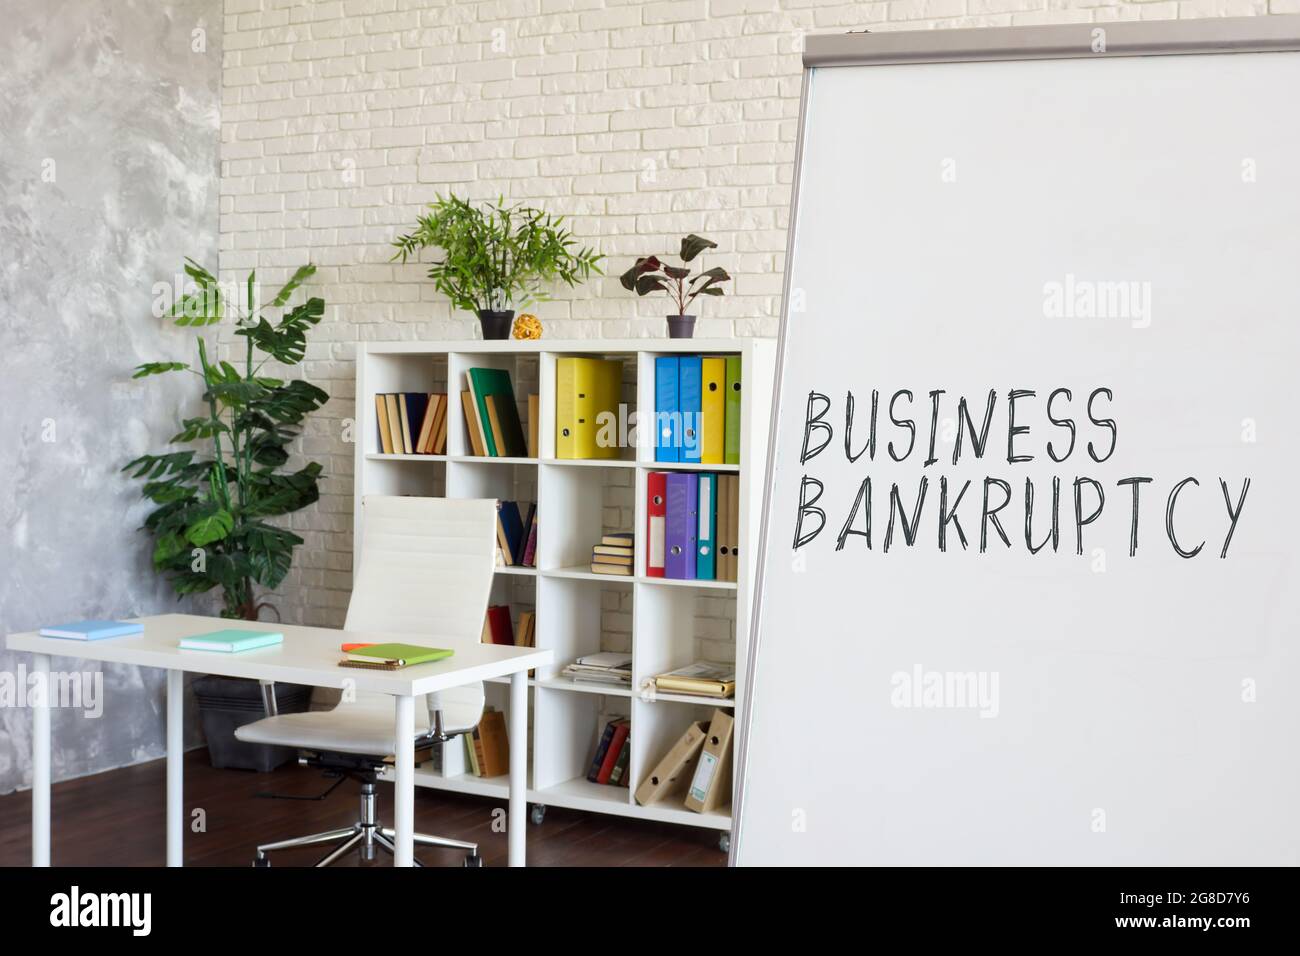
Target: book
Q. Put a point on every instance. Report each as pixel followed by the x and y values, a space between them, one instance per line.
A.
pixel 394 423
pixel 602 748
pixel 713 405
pixel 510 532
pixel 731 439
pixel 524 632
pixel 492 745
pixel 620 539
pixel 230 641
pixel 611 753
pixel 381 417
pixel 494 383
pixel 473 432
pixel 92 630
pixel 623 560
pixel 530 549
pixel 403 655
pixel 499 626
pixel 618 776
pixel 534 418
pixel 425 437
pixel 619 552
pixel 606 667
pixel 412 406
pixel 530 515
pixel 705 679
pixel 471 755
pixel 438 444
pixel 613 569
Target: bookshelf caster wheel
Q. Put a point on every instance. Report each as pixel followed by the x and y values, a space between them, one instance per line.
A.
pixel 724 842
pixel 473 859
pixel 537 814
pixel 261 862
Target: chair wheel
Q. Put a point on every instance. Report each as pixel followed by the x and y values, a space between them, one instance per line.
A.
pixel 473 859
pixel 261 862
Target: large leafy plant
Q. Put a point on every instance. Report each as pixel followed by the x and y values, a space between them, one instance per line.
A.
pixel 649 274
pixel 495 256
pixel 213 526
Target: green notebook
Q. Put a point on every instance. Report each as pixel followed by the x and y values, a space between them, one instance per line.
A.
pixel 404 655
pixel 231 641
pixel 731 429
pixel 495 383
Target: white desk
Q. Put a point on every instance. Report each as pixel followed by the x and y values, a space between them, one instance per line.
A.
pixel 309 655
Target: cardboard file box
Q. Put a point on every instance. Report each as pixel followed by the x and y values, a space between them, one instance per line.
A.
pixel 671 775
pixel 711 783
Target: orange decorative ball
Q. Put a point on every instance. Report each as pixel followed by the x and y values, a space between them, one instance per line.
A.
pixel 527 327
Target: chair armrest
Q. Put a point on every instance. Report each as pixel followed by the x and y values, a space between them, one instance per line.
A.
pixel 268 698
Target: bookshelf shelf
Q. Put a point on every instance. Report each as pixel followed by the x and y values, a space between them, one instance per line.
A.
pixel 380 456
pixel 581 687
pixel 578 500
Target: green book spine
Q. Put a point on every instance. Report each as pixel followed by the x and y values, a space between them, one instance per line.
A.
pixel 731 447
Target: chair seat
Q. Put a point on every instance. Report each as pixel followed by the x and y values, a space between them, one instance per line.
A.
pixel 342 730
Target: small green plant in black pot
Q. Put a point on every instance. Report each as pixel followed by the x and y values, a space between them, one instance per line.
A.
pixel 649 275
pixel 496 258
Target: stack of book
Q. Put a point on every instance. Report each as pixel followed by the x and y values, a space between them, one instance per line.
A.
pixel 487 748
pixel 491 415
pixel 587 396
pixel 693 525
pixel 607 667
pixel 517 533
pixel 701 679
pixel 498 628
pixel 697 409
pixel 609 764
pixel 613 555
pixel 412 423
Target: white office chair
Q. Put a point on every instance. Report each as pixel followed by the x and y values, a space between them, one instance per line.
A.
pixel 426 567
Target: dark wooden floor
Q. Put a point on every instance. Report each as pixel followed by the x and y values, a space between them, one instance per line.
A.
pixel 117 818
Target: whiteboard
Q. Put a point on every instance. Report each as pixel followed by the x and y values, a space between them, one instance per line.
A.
pixel 1115 239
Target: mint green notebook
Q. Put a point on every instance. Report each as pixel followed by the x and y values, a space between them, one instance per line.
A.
pixel 231 641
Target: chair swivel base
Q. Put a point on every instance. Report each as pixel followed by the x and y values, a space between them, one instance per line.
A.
pixel 365 836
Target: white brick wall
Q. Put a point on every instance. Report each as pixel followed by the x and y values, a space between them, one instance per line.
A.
pixel 641 121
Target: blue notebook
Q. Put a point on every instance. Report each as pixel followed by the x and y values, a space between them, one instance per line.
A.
pixel 690 390
pixel 668 416
pixel 92 630
pixel 231 641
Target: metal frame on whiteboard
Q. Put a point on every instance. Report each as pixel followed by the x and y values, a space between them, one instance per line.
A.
pixel 1262 34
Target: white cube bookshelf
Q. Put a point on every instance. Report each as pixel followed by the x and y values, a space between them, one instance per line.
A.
pixel 573 512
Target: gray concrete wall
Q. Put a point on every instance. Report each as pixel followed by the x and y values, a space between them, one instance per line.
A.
pixel 109 128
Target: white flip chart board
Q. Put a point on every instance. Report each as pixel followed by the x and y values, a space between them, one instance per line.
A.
pixel 1049 613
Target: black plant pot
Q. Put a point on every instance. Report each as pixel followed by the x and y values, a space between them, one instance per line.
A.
pixel 681 326
pixel 496 325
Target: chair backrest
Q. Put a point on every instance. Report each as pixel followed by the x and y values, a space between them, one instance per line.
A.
pixel 425 569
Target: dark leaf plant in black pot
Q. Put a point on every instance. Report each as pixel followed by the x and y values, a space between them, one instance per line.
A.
pixel 496 258
pixel 650 275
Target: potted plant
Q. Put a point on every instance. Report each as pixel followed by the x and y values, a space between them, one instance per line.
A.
pixel 496 258
pixel 212 526
pixel 649 274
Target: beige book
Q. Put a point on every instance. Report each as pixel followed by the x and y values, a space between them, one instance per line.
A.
pixel 472 424
pixel 426 427
pixel 534 413
pixel 438 444
pixel 385 436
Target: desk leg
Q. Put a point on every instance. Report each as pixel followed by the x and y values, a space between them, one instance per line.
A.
pixel 175 767
pixel 41 758
pixel 516 828
pixel 404 791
